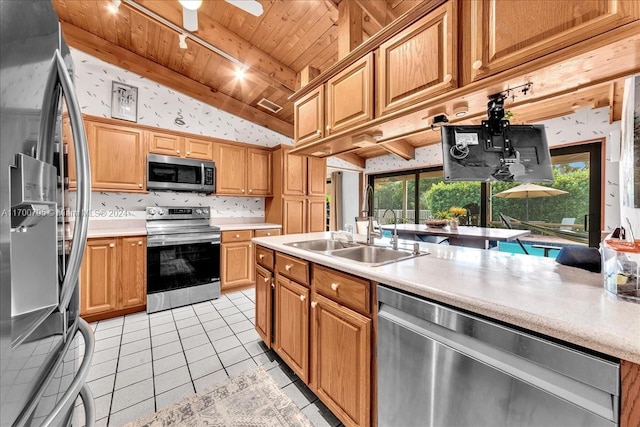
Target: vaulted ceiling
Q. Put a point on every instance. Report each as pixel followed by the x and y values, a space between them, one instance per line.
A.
pixel 276 46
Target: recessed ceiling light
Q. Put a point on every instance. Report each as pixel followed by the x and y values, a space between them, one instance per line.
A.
pixel 460 109
pixel 114 5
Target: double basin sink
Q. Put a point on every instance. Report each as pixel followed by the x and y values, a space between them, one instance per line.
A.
pixel 365 254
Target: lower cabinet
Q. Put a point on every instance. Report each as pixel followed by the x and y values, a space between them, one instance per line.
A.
pixel 113 277
pixel 236 260
pixel 322 329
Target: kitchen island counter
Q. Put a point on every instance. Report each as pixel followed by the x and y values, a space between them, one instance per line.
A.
pixel 534 293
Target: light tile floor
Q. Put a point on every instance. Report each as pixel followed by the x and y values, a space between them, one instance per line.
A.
pixel 143 363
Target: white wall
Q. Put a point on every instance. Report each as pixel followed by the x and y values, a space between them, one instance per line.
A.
pixel 585 124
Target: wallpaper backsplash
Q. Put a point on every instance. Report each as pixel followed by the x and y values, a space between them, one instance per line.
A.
pixel 583 125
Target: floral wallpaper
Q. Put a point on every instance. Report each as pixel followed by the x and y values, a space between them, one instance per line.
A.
pixel 582 125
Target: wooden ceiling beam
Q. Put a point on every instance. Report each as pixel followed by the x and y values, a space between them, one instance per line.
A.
pixel 400 148
pixel 349 27
pixel 116 55
pixel 353 158
pixel 269 68
pixel 378 11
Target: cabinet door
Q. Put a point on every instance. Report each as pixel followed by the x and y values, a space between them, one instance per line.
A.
pixel 292 325
pixel 264 285
pixel 350 96
pixel 98 277
pixel 308 117
pixel 165 143
pixel 294 171
pixel 507 33
pixel 259 176
pixel 316 176
pixel 293 215
pixel 317 215
pixel 117 155
pixel 237 265
pixel 341 360
pixel 133 272
pixel 198 149
pixel 419 62
pixel 231 166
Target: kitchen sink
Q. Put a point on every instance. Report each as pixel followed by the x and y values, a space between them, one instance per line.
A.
pixel 322 245
pixel 374 255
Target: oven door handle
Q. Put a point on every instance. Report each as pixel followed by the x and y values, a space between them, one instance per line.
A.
pixel 154 242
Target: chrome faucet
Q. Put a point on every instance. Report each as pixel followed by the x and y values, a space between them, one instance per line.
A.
pixel 394 238
pixel 367 212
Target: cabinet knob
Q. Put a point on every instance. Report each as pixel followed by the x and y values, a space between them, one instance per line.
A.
pixel 139 185
pixel 328 128
pixel 242 191
pixel 188 152
pixel 318 132
pixel 237 236
pixel 303 297
pixel 261 256
pixel 273 285
pixel 334 286
pixel 477 65
pixel 447 78
pixel 313 304
pixel 112 245
pixel 288 267
pixel 266 280
pixel 250 246
pixel 178 151
pixel 250 191
pixel 139 242
pixel 268 234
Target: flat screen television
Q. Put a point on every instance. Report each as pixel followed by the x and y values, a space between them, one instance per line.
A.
pixel 519 153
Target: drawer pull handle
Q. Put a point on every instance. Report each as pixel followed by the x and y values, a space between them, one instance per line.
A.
pixel 268 234
pixel 288 267
pixel 237 236
pixel 334 286
pixel 302 297
pixel 266 279
pixel 313 304
pixel 112 245
pixel 139 242
pixel 261 256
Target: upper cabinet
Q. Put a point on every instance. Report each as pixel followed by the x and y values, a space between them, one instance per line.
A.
pixel 506 33
pixel 118 157
pixel 170 144
pixel 350 96
pixel 242 171
pixel 303 176
pixel 418 62
pixel 308 115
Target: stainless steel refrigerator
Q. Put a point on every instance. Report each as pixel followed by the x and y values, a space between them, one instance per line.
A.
pixel 45 347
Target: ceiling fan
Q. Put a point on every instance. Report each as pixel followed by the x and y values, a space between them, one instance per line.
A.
pixel 190 11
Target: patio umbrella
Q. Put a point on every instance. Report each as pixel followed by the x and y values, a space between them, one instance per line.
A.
pixel 526 191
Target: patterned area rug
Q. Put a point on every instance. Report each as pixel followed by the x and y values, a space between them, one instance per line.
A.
pixel 252 399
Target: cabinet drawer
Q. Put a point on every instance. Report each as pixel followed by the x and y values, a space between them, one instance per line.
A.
pixel 293 268
pixel 264 257
pixel 348 290
pixel 236 236
pixel 267 232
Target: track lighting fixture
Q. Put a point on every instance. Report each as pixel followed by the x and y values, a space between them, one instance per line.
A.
pixel 183 41
pixel 114 5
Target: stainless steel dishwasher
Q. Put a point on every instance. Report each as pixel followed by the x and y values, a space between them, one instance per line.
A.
pixel 441 367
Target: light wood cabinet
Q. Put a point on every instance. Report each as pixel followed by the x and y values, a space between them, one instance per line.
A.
pixel 264 303
pixel 118 157
pixel 308 116
pixel 419 62
pixel 259 175
pixel 299 187
pixel 291 322
pixel 505 33
pixel 242 171
pixel 236 259
pixel 170 144
pixel 341 360
pixel 350 96
pixel 113 277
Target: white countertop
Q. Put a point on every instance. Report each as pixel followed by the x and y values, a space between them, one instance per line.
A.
pixel 482 233
pixel 531 292
pixel 245 226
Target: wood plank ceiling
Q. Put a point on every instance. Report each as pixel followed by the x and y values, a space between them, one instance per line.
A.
pixel 277 45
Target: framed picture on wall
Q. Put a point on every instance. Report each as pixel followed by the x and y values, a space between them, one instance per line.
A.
pixel 124 102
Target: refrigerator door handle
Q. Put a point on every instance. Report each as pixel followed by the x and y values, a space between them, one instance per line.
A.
pixel 89 406
pixel 75 388
pixel 59 77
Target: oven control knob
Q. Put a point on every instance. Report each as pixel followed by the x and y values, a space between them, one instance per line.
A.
pixel 152 211
pixel 160 211
pixel 198 211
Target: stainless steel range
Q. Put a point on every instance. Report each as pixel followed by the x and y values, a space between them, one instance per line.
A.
pixel 183 257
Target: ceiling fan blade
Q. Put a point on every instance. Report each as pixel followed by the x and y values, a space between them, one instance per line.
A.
pixel 250 6
pixel 189 19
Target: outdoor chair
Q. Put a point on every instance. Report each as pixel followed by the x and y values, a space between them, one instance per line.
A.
pixel 567 221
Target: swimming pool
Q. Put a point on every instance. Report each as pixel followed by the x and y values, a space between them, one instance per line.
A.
pixel 515 248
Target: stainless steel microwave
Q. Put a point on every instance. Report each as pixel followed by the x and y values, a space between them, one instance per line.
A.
pixel 177 174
